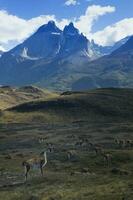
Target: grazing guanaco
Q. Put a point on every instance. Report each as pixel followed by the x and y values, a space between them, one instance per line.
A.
pixel 50 147
pixel 35 163
pixel 41 140
pixel 91 146
pixel 98 150
pixel 117 141
pixel 71 154
pixel 107 158
pixel 121 143
pixel 79 143
pixel 129 143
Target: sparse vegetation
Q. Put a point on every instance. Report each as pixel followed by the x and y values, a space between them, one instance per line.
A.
pixel 101 105
pixel 11 96
pixel 57 123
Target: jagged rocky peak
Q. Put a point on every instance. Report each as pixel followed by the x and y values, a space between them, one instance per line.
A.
pixel 70 29
pixel 49 27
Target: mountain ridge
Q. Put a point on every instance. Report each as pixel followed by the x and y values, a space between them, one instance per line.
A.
pixel 57 60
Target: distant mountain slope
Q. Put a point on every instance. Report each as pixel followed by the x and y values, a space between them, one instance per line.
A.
pixel 114 70
pixel 106 50
pixel 125 48
pixel 100 105
pixel 10 96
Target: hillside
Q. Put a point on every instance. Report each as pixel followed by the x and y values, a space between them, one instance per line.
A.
pixel 11 96
pixel 101 105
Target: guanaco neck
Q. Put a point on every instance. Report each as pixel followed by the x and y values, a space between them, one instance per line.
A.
pixel 45 158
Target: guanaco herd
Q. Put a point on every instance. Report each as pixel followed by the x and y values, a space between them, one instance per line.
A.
pixel 41 161
pixel 122 143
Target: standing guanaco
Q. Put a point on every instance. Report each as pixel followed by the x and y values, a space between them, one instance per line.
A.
pixel 35 163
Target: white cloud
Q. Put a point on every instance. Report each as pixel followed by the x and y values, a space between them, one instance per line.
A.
pixel 14 30
pixel 86 21
pixel 71 2
pixel 111 34
pixel 1 48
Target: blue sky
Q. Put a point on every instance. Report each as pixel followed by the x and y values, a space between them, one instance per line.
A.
pixel 30 14
pixel 32 8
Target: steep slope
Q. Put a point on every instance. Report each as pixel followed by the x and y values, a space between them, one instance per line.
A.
pixel 19 66
pixel 43 53
pixel 75 52
pixel 44 43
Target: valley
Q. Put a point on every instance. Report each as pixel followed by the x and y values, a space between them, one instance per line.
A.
pixel 84 176
pixel 77 122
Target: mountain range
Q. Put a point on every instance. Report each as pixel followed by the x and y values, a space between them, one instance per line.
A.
pixel 114 70
pixel 67 60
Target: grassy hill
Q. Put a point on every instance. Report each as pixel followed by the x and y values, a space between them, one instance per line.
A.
pixel 10 96
pixel 98 105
